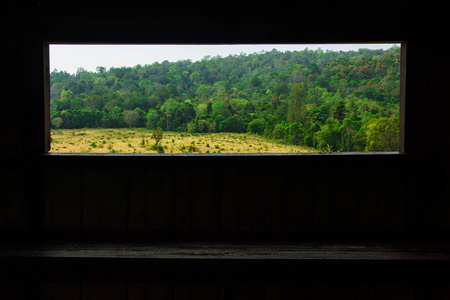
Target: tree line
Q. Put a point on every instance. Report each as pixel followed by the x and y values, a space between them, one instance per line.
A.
pixel 332 101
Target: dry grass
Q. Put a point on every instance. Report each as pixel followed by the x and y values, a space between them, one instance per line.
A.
pixel 138 140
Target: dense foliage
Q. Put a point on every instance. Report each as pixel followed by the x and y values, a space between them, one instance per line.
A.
pixel 333 101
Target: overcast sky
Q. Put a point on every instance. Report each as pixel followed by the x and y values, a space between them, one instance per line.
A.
pixel 70 57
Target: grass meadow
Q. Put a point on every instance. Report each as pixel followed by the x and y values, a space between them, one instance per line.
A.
pixel 139 140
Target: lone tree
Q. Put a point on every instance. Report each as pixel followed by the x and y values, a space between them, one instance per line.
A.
pixel 132 118
pixel 157 135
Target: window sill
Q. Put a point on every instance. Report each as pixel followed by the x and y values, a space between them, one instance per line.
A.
pixel 224 160
pixel 226 261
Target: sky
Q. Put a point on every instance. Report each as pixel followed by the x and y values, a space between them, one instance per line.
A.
pixel 70 57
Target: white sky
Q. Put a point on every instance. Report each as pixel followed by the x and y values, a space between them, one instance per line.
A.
pixel 70 57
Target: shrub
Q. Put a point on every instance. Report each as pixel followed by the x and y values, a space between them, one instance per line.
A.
pixel 192 148
pixel 157 148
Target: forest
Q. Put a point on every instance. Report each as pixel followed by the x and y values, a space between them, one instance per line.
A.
pixel 331 101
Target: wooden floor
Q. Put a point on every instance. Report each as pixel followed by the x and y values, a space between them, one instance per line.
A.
pixel 387 251
pixel 197 270
pixel 226 261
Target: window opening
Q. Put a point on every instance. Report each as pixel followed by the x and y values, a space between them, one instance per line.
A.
pixel 283 98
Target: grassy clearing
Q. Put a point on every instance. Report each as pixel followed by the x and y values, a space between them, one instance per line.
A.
pixel 138 140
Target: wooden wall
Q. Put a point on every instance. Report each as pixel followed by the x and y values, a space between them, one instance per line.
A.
pixel 253 197
pixel 199 290
pixel 224 197
pixel 295 197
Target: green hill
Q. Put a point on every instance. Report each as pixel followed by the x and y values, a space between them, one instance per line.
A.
pixel 332 101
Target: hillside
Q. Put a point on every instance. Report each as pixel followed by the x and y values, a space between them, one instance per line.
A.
pixel 332 101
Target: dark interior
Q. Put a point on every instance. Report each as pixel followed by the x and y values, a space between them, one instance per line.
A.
pixel 322 226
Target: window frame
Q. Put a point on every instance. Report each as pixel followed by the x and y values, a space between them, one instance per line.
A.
pixel 402 113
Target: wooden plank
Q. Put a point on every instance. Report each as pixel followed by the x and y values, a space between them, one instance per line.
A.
pixel 336 196
pixel 3 189
pixel 112 291
pixel 151 204
pixel 243 201
pixel 447 199
pixel 105 200
pixel 204 291
pixel 136 291
pixel 343 291
pixel 12 201
pixel 289 201
pixel 440 292
pixel 89 291
pixel 402 112
pixel 383 196
pixel 182 291
pixel 47 84
pixel 62 197
pixel 196 204
pixel 274 292
pixel 91 199
pixel 296 291
pixel 321 191
pixel 249 291
pixel 334 291
pixel 371 252
pixel 366 292
pixel 62 290
pixel 137 200
pixel 426 203
pixel 154 291
pixel 159 291
pixel 159 206
pixel 368 215
pixel 391 210
pixel 288 291
pixel 228 204
pixel 345 183
pixel 18 291
pixel 393 291
pixel 103 291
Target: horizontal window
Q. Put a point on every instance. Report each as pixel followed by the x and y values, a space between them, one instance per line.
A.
pixel 274 98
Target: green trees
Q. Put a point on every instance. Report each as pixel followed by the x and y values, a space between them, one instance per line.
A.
pixel 57 122
pixel 297 109
pixel 232 124
pixel 256 126
pixel 132 118
pixel 113 118
pixel 382 135
pixel 338 102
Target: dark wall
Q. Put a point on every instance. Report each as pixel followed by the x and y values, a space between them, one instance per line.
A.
pixel 292 197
